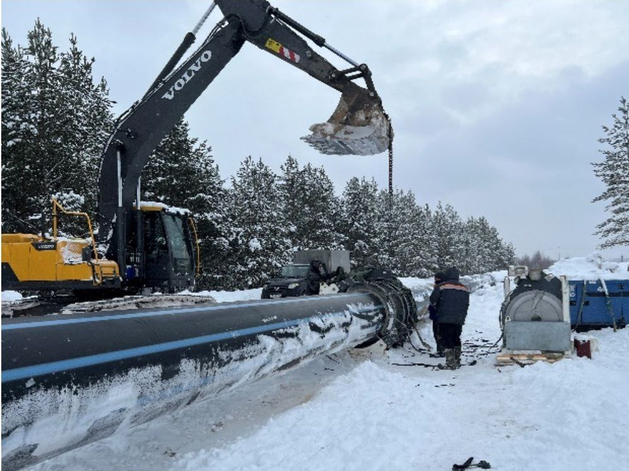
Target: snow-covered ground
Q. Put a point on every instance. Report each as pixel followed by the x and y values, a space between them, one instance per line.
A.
pixel 230 296
pixel 357 410
pixel 11 296
pixel 592 267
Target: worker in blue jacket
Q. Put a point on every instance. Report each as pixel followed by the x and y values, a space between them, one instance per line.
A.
pixel 451 298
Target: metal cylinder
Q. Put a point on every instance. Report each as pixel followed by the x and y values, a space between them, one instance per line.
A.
pixel 69 380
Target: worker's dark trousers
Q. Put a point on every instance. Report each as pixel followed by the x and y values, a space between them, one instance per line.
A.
pixel 450 335
pixel 435 332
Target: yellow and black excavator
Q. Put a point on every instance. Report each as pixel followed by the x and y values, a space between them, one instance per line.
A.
pixel 144 245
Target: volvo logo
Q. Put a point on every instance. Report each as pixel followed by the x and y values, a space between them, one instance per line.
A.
pixel 44 245
pixel 188 74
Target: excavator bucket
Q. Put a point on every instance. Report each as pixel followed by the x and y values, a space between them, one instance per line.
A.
pixel 358 126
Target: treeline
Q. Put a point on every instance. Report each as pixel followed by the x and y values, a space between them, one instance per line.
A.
pixel 250 224
pixel 55 122
pixel 537 260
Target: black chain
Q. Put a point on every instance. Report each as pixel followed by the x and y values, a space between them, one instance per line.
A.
pixel 390 131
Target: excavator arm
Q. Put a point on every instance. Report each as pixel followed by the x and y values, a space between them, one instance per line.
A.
pixel 358 125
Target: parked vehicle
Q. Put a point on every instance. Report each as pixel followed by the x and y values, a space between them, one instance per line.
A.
pixel 289 282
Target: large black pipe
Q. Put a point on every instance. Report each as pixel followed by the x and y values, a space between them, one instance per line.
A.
pixel 69 380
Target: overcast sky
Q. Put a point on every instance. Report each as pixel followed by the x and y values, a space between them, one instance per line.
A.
pixel 496 105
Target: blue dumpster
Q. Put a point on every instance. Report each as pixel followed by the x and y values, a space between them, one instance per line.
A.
pixel 597 308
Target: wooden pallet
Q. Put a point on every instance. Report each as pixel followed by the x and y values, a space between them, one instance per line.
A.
pixel 522 359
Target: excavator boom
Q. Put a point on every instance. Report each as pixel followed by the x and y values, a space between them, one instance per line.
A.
pixel 358 126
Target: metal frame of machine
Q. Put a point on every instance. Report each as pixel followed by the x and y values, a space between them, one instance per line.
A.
pixel 535 335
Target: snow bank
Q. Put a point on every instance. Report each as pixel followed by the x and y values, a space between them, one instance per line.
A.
pixel 10 296
pixel 592 267
pixel 348 426
pixel 229 296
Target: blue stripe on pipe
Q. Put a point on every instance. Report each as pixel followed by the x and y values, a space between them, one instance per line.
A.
pixel 91 360
pixel 34 325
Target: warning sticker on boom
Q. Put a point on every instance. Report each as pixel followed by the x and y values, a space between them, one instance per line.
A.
pixel 276 47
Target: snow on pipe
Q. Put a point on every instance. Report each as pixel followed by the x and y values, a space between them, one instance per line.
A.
pixel 73 379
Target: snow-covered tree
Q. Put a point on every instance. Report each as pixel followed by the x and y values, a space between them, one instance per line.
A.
pixel 448 237
pixel 614 172
pixel 261 242
pixel 485 250
pixel 359 221
pixel 424 259
pixel 309 206
pixel 403 234
pixel 55 119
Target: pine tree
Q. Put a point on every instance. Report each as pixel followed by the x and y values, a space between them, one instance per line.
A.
pixel 403 234
pixel 448 236
pixel 359 224
pixel 614 172
pixel 55 121
pixel 319 211
pixel 182 173
pixel 16 130
pixel 292 190
pixel 261 244
pixel 309 206
pixel 485 250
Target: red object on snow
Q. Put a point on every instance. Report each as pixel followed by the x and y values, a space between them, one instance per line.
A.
pixel 583 347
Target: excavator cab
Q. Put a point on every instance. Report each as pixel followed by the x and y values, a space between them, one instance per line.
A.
pixel 165 254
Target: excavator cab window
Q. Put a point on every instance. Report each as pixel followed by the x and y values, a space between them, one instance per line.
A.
pixel 177 239
pixel 157 259
pixel 154 236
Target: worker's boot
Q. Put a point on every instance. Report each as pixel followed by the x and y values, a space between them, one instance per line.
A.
pixel 457 357
pixel 439 353
pixel 440 349
pixel 450 360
